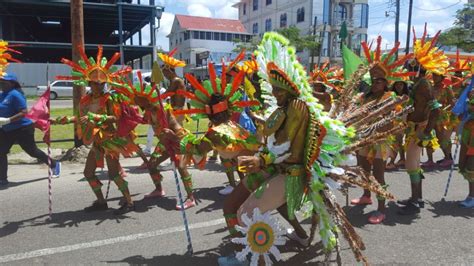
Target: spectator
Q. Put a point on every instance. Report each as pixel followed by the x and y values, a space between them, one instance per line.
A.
pixel 15 128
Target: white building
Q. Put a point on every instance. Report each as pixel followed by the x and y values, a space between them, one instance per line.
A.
pixel 195 35
pixel 260 16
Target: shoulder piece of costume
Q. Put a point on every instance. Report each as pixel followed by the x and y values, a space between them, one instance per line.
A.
pixel 388 62
pixel 330 77
pixel 200 99
pixel 6 52
pixel 169 61
pixel 428 55
pixel 99 69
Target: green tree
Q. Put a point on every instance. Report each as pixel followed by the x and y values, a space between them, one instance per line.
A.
pixel 248 46
pixel 301 43
pixel 461 34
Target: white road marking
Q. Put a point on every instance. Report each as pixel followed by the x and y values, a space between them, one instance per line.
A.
pixel 110 241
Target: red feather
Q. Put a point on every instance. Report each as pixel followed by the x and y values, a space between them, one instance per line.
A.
pixel 73 65
pixel 392 52
pixel 223 79
pixel 82 53
pixel 189 112
pixel 243 104
pixel 236 83
pixel 366 49
pixel 189 95
pixel 173 51
pixel 167 94
pixel 99 55
pixel 212 76
pixel 196 84
pixel 112 60
pixel 378 49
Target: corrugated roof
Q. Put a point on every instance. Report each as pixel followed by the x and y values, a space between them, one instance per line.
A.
pixel 211 24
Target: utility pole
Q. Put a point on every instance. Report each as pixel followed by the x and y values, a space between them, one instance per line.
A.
pixel 77 39
pixel 313 50
pixel 397 24
pixel 321 43
pixel 410 9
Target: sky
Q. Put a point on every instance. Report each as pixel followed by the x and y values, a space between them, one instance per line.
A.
pixel 440 15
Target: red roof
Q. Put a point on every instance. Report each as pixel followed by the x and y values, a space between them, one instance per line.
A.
pixel 212 24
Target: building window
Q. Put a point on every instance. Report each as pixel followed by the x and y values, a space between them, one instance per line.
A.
pixel 255 5
pixel 255 28
pixel 186 35
pixel 202 35
pixel 244 9
pixel 341 14
pixel 195 34
pixel 300 15
pixel 283 20
pixel 268 24
pixel 229 37
pixel 216 36
pixel 222 36
pixel 208 35
pixel 268 2
pixel 327 12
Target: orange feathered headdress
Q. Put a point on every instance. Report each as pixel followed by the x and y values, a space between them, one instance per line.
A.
pixel 388 62
pixel 98 70
pixel 329 76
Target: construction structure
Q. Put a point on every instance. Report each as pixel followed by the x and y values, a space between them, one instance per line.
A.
pixel 43 28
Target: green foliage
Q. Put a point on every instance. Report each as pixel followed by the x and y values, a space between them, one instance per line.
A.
pixel 461 34
pixel 248 46
pixel 301 43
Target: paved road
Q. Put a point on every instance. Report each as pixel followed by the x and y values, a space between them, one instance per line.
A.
pixel 440 234
pixel 61 103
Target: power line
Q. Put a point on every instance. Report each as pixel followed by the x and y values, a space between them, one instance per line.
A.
pixel 439 9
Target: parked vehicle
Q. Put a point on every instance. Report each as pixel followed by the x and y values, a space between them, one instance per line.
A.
pixel 59 88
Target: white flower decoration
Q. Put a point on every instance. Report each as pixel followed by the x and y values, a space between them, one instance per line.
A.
pixel 262 234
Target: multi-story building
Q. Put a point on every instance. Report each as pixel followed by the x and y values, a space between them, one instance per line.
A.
pixel 199 39
pixel 320 17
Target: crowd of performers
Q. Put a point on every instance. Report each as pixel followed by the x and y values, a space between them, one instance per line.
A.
pixel 304 129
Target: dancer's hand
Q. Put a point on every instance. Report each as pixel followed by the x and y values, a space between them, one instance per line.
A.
pixel 84 119
pixel 248 164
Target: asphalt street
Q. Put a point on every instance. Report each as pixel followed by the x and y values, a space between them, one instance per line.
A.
pixel 440 235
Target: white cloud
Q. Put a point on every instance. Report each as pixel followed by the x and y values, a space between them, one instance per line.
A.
pixel 199 10
pixel 227 11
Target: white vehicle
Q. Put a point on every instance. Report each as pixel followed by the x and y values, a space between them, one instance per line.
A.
pixel 59 88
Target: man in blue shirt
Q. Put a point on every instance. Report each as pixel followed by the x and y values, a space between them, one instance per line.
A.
pixel 15 128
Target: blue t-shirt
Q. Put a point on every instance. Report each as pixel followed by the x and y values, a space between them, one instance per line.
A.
pixel 11 103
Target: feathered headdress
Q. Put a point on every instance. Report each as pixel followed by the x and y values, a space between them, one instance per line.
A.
pixel 141 90
pixel 388 62
pixel 169 61
pixel 98 70
pixel 428 55
pixel 249 67
pixel 328 76
pixel 459 66
pixel 200 99
pixel 5 56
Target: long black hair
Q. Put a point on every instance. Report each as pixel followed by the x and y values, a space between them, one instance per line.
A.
pixel 405 90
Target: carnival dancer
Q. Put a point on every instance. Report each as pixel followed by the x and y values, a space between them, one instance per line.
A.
pixel 466 157
pixel 98 118
pixel 400 88
pixel 302 146
pixel 146 97
pixel 446 122
pixel 384 68
pixel 421 122
pixel 323 79
pixel 169 71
